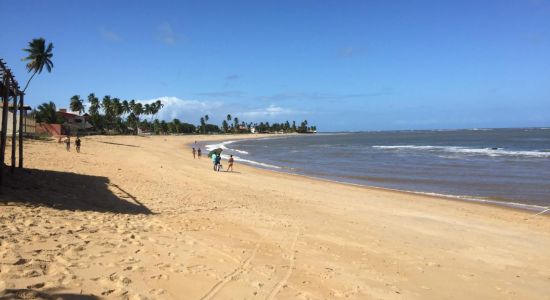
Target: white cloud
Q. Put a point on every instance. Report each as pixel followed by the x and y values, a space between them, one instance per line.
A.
pixel 166 33
pixel 269 112
pixel 188 111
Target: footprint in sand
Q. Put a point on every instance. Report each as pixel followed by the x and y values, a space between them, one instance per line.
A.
pixel 134 268
pixel 119 281
pixel 160 276
pixel 157 292
pixel 163 266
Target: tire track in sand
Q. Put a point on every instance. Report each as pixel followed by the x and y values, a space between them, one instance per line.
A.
pixel 283 281
pixel 227 278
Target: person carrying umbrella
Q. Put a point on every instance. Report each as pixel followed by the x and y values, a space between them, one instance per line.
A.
pixel 214 154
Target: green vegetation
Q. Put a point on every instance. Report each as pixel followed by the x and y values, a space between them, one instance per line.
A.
pixel 119 116
pixel 234 125
pixel 116 116
pixel 38 58
pixel 77 104
pixel 46 113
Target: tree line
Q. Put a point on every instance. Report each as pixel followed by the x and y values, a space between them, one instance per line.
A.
pixel 113 115
pixel 234 125
pixel 109 114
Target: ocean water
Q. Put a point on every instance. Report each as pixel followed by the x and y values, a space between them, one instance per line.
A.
pixel 506 166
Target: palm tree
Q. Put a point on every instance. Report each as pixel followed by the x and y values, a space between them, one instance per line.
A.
pixel 228 118
pixel 225 126
pixel 39 57
pixel 77 104
pixel 125 107
pixel 137 110
pixel 203 125
pixel 116 107
pixel 116 111
pixel 236 124
pixel 156 126
pixel 148 109
pixel 158 107
pixel 107 106
pixel 206 118
pixel 176 126
pixel 163 126
pixel 93 110
pixel 47 113
pixel 131 120
pixel 94 104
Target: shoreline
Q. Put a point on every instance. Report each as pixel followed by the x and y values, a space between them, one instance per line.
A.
pixel 537 209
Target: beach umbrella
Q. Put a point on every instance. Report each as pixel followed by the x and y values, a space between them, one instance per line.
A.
pixel 218 151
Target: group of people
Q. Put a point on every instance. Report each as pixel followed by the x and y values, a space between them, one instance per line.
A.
pixel 77 143
pixel 197 153
pixel 217 161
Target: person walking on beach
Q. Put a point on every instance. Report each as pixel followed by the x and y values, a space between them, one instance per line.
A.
pixel 77 144
pixel 230 163
pixel 194 152
pixel 214 160
pixel 199 153
pixel 218 162
pixel 68 143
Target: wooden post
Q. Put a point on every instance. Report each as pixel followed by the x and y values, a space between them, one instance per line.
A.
pixel 5 93
pixel 14 132
pixel 21 130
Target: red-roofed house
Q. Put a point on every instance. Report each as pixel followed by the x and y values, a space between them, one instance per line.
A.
pixel 73 121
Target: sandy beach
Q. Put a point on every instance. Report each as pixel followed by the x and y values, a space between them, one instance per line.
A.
pixel 138 218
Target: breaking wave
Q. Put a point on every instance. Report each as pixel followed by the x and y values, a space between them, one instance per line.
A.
pixel 223 145
pixel 471 151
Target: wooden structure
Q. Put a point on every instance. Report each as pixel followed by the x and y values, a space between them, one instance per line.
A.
pixel 9 89
pixel 29 123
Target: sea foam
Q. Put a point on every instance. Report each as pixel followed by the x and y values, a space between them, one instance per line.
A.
pixel 223 145
pixel 471 151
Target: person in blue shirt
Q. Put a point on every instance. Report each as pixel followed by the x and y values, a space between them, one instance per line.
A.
pixel 214 160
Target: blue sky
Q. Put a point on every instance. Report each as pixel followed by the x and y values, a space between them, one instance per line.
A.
pixel 343 65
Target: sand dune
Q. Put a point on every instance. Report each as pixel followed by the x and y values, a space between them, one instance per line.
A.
pixel 139 218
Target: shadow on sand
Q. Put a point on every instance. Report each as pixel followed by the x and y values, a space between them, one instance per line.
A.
pixel 67 191
pixel 119 144
pixel 32 294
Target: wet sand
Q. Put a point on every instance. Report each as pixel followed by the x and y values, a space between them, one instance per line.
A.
pixel 139 218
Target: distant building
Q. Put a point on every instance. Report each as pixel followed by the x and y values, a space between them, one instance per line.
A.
pixel 74 122
pixel 253 129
